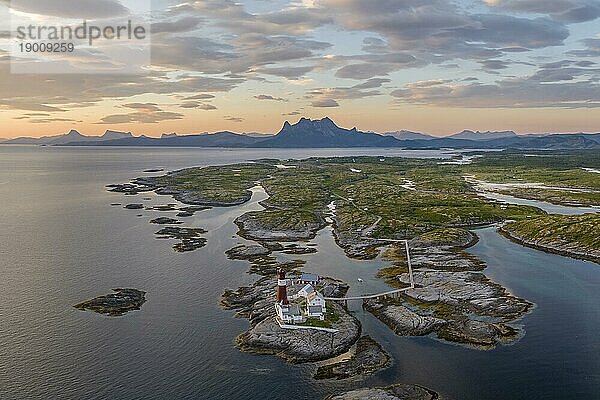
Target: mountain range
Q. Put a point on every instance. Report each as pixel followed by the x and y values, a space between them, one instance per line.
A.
pixel 324 133
pixel 72 137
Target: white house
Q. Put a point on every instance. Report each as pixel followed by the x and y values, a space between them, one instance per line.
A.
pixel 315 305
pixel 305 291
pixel 307 278
pixel 289 313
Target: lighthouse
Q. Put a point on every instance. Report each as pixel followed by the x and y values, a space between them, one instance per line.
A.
pixel 281 287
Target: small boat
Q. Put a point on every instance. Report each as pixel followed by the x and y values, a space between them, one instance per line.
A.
pixel 359 279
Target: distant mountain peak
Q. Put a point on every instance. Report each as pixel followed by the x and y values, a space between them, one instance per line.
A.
pixel 409 135
pixel 326 121
pixel 487 135
pixel 324 133
pixel 74 132
pixel 111 135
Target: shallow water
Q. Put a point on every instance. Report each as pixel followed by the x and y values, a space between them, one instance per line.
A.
pixel 62 243
pixel 548 207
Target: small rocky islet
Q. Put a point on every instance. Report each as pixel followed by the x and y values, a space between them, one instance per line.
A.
pixel 368 357
pixel 165 221
pixel 399 391
pixel 134 206
pixel 190 239
pixel 115 304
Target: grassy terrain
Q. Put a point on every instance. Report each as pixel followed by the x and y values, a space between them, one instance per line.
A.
pixel 575 233
pixel 229 183
pixel 441 199
pixel 553 169
pixel 298 197
pixel 331 318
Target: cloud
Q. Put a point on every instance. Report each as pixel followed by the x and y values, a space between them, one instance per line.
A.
pixel 145 113
pixel 435 31
pixel 140 117
pixel 233 17
pixel 90 9
pixel 195 104
pixel 148 107
pixel 569 11
pixel 185 24
pixel 268 97
pixel 286 72
pixel 50 120
pixel 42 118
pixel 326 97
pixel 364 71
pixel 55 93
pixel 592 49
pixel 325 103
pixel 528 92
pixel 201 96
pixel 247 52
pixel 494 65
pixel 233 119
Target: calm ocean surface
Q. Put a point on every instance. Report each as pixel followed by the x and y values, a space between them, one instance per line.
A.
pixel 62 242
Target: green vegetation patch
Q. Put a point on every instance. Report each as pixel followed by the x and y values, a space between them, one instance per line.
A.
pixel 569 232
pixel 227 184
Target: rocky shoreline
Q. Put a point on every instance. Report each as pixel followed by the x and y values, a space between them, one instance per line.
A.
pixel 161 187
pixel 451 298
pixel 367 358
pixel 253 228
pixel 555 248
pixel 399 391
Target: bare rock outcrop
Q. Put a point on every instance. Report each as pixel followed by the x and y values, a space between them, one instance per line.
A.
pixel 395 392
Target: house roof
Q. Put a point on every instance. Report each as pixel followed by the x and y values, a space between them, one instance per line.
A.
pixel 308 288
pixel 312 295
pixel 293 309
pixel 309 277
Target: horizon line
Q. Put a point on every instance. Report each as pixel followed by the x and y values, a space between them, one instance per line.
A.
pixel 387 132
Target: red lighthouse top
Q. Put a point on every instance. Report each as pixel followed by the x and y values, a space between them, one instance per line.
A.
pixel 281 287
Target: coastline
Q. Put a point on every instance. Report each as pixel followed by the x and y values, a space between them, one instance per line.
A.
pixel 546 248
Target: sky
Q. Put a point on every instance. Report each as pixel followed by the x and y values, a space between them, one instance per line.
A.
pixel 434 66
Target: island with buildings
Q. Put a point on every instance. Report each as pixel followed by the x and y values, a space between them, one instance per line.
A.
pixel 417 215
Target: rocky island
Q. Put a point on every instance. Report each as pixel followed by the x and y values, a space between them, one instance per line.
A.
pixel 450 298
pixel 115 304
pixel 266 336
